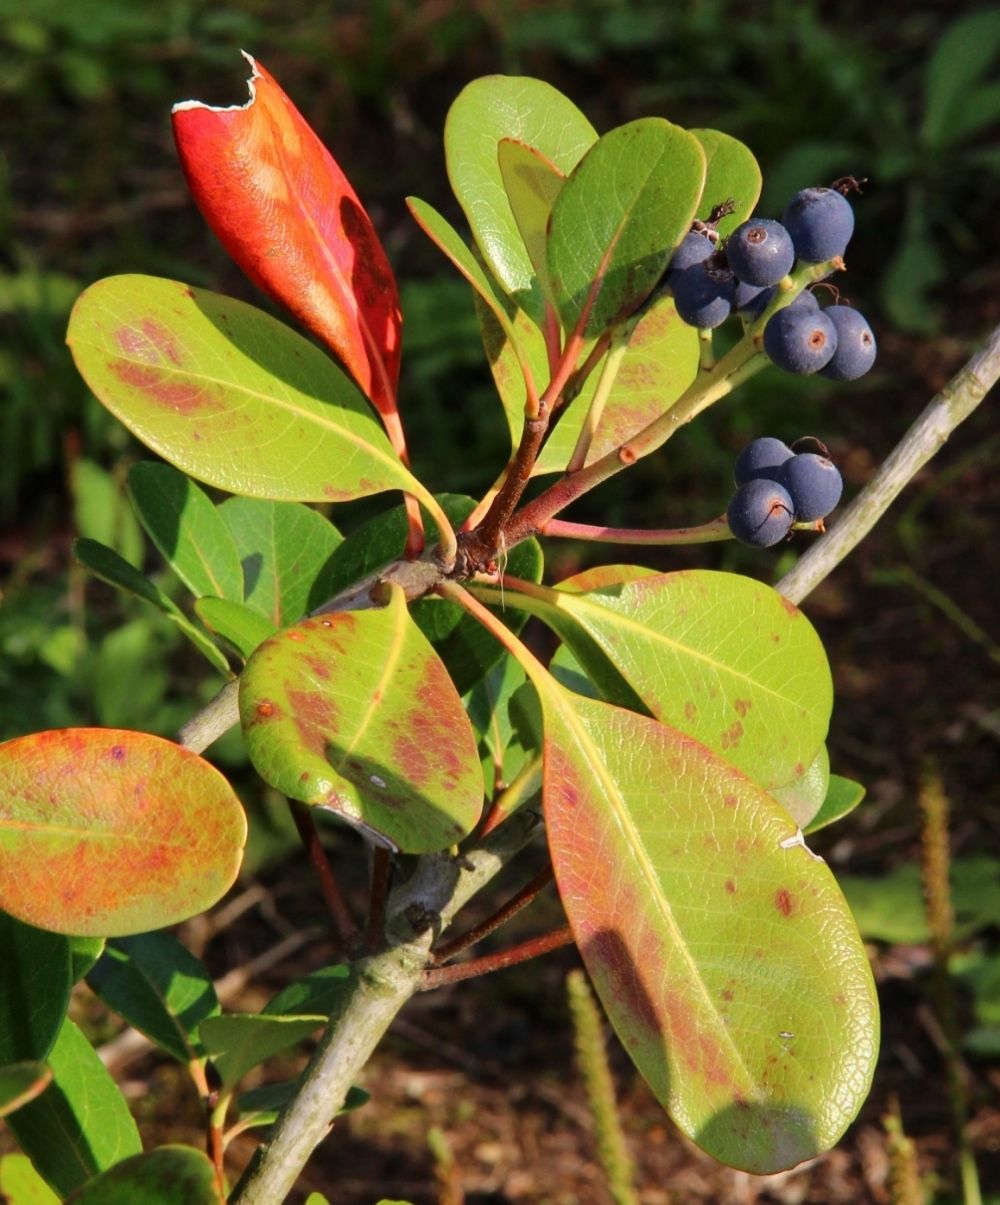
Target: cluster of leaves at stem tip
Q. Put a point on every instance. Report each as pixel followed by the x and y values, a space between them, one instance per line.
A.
pixel 676 739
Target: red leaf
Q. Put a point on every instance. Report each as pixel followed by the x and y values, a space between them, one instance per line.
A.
pixel 286 213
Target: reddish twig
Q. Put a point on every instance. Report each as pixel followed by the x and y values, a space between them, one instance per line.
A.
pixel 533 948
pixel 503 914
pixel 381 868
pixel 336 904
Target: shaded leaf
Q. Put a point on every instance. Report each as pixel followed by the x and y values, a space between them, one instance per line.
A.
pixel 185 526
pixel 22 1082
pixel 842 796
pixel 721 948
pixel 34 986
pixel 962 57
pixel 624 208
pixel 732 174
pixel 80 1125
pixel 111 568
pixel 236 623
pixel 286 213
pixel 108 832
pixel 354 712
pixel 484 112
pixel 228 394
pixel 284 548
pixel 167 1175
pixel 462 644
pixel 321 991
pixel 159 988
pixel 83 953
pixel 261 1106
pixel 238 1042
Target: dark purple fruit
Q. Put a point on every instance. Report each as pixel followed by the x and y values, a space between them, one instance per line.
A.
pixel 760 252
pixel 820 222
pixel 856 349
pixel 760 513
pixel 814 485
pixel 800 340
pixel 761 458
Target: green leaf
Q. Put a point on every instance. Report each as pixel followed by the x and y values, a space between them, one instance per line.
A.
pixel 111 568
pixel 100 511
pixel 660 363
pixel 168 1175
pixel 238 1042
pixel 22 1082
pixel 236 623
pixel 891 906
pixel 486 111
pixel 261 1106
pixel 34 986
pixel 532 183
pixel 462 644
pixel 159 987
pixel 83 953
pixel 20 1184
pixel 321 991
pixel 185 526
pixel 720 657
pixel 355 712
pixel 106 832
pixel 963 55
pixel 228 394
pixel 285 549
pixel 732 173
pixel 80 1125
pixel 627 204
pixel 803 797
pixel 842 796
pixel 721 948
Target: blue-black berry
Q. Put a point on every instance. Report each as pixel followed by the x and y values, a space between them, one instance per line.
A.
pixel 704 296
pixel 760 252
pixel 855 352
pixel 820 222
pixel 813 483
pixel 761 458
pixel 692 249
pixel 760 513
pixel 800 340
pixel 752 301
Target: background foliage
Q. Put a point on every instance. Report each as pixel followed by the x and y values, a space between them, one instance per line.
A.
pixel 89 185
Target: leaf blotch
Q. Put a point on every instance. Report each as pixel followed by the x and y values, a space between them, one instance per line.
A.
pixel 742 707
pixel 730 887
pixel 732 736
pixel 182 396
pixel 784 901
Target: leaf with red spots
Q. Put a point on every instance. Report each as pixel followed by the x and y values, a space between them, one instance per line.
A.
pixel 617 219
pixel 355 712
pixel 106 832
pixel 722 949
pixel 229 394
pixel 721 657
pixel 286 213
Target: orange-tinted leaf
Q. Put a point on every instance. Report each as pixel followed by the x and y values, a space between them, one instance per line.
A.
pixel 108 832
pixel 287 214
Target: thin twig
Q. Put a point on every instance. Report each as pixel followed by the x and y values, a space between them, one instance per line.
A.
pixel 333 897
pixel 951 406
pixel 381 871
pixel 534 947
pixel 502 915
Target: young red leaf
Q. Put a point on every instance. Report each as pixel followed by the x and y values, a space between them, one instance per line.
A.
pixel 107 832
pixel 283 209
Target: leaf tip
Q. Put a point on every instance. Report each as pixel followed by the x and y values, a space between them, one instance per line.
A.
pixel 184 106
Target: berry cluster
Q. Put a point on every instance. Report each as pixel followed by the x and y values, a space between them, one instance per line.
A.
pixel 778 487
pixel 709 283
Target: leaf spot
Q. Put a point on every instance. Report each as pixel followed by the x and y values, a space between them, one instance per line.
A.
pixel 732 735
pixel 784 901
pixel 118 752
pixel 742 707
pixel 730 887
